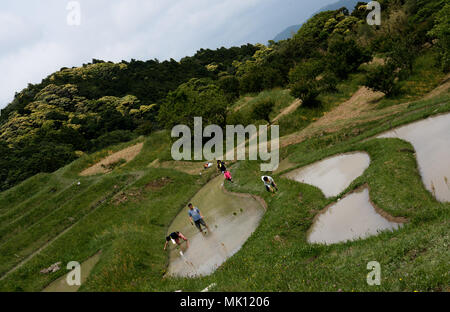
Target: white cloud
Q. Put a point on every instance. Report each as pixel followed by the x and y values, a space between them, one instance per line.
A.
pixel 31 64
pixel 35 39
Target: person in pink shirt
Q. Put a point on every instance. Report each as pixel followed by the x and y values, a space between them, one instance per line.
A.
pixel 227 176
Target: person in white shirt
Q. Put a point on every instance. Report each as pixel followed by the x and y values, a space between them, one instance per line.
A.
pixel 269 183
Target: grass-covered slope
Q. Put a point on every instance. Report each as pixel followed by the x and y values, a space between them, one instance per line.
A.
pixel 126 214
pixel 62 216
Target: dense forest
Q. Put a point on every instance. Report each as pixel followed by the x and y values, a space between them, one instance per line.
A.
pixel 83 109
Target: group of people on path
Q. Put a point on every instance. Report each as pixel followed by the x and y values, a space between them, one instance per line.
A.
pixel 195 216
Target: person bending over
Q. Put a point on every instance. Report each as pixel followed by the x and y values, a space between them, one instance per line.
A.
pixel 176 237
pixel 269 183
pixel 221 166
pixel 227 176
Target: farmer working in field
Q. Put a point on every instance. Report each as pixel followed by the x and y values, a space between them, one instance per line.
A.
pixel 227 176
pixel 221 166
pixel 175 236
pixel 196 217
pixel 269 183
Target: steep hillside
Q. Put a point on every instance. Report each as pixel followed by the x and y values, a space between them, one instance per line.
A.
pixel 84 109
pixel 291 30
pixel 122 217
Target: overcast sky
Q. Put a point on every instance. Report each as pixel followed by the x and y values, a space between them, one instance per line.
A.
pixel 36 40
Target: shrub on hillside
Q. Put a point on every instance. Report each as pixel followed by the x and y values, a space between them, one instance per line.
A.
pixel 262 109
pixel 239 118
pixel 145 128
pixel 111 138
pixel 197 97
pixel 260 78
pixel 329 82
pixel 383 78
pixel 441 31
pixel 230 86
pixel 308 80
pixel 306 70
pixel 345 56
pixel 402 56
pixel 307 91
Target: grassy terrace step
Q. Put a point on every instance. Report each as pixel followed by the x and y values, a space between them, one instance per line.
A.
pixel 110 227
pixel 19 219
pixel 33 200
pixel 26 242
pixel 15 196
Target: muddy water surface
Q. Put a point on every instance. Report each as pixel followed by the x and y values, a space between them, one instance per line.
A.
pixel 332 175
pixel 232 219
pixel 351 218
pixel 431 140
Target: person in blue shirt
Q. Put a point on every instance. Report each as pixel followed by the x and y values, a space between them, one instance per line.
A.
pixel 196 217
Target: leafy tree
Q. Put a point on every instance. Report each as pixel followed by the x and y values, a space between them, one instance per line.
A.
pixel 6 165
pixel 383 78
pixel 308 80
pixel 262 110
pixel 345 56
pixel 198 97
pixel 310 69
pixel 259 78
pixel 402 55
pixel 441 31
pixel 360 11
pixel 230 86
pixel 329 82
pixel 345 26
pixel 307 91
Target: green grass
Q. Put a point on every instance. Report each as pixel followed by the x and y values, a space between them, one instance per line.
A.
pixel 10 198
pixel 131 233
pixel 281 99
pixel 424 78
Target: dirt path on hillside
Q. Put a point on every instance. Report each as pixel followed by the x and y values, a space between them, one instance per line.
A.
pixel 355 107
pixel 441 89
pixel 127 154
pixel 352 108
pixel 291 108
pixel 246 100
pixel 358 109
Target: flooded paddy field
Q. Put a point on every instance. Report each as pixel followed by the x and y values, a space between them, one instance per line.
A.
pixel 334 174
pixel 231 218
pixel 353 217
pixel 431 140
